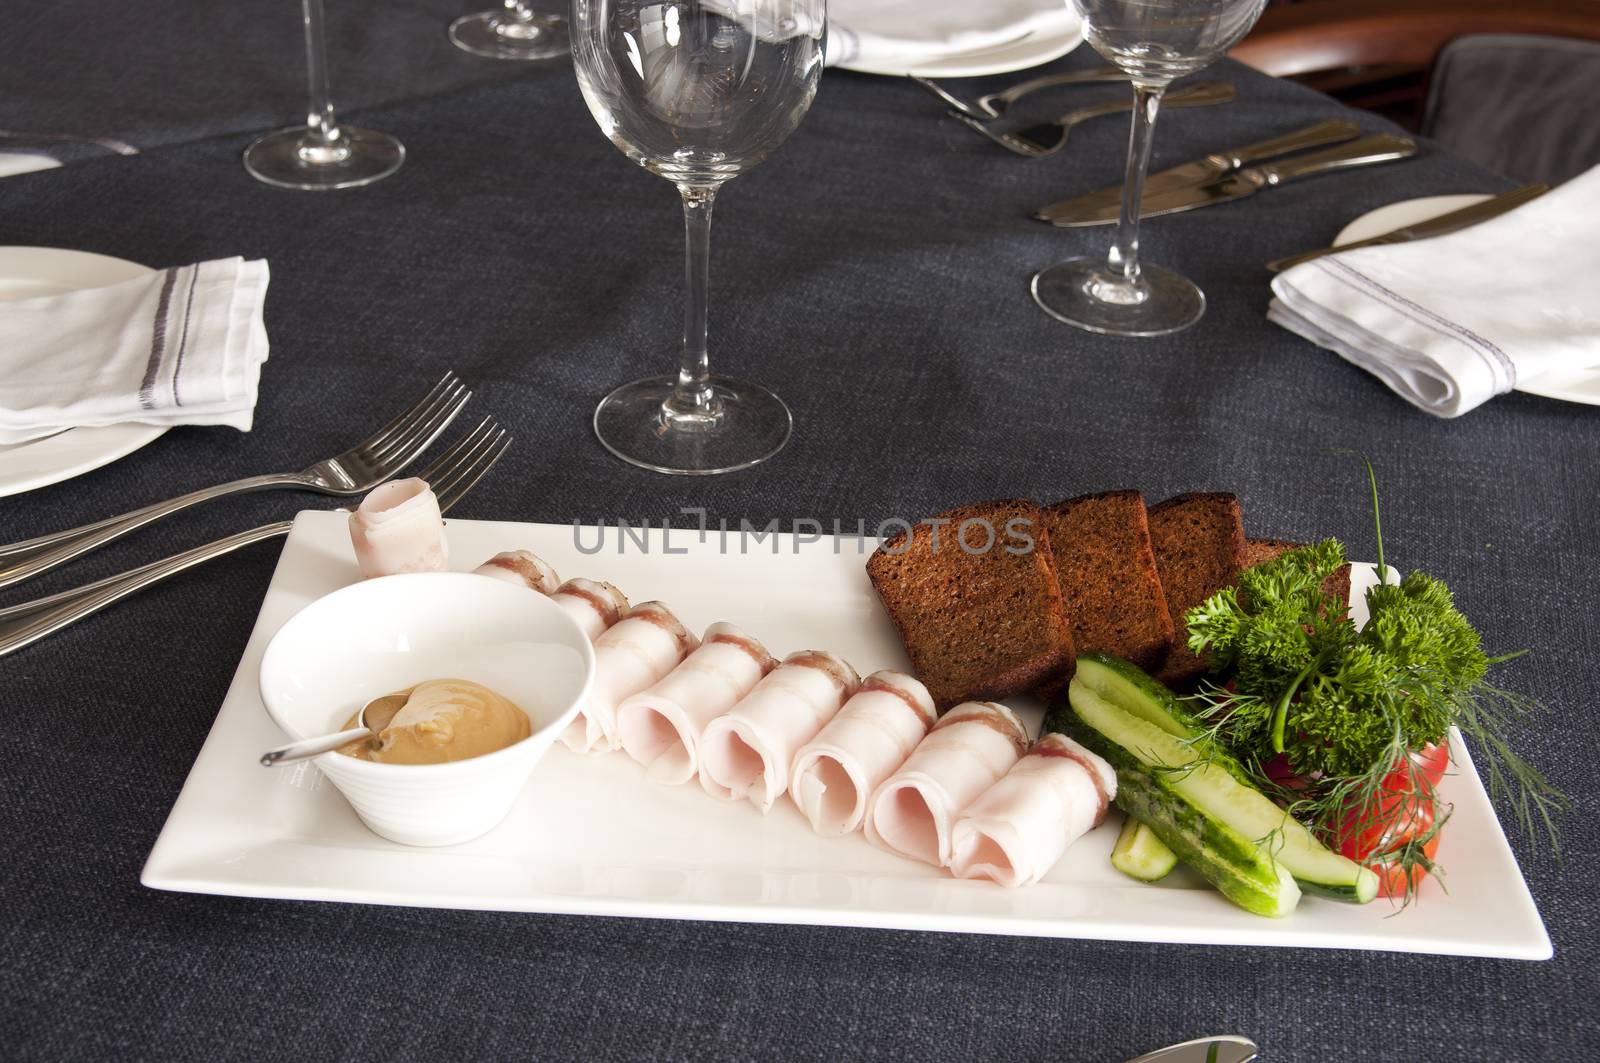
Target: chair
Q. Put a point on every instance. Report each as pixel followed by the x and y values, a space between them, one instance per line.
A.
pixel 1518 104
pixel 1376 54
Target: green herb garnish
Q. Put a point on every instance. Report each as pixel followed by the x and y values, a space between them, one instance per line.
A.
pixel 1344 710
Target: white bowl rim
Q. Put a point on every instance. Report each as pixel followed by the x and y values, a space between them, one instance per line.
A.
pixel 378 769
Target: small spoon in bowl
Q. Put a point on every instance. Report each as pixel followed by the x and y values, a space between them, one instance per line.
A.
pixel 372 719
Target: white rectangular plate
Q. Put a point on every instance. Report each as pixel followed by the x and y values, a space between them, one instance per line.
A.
pixel 591 836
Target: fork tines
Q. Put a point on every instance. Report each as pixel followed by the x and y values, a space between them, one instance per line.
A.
pixel 453 473
pixel 421 423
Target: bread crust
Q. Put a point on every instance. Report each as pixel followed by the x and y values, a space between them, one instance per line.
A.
pixel 1200 548
pixel 1106 568
pixel 977 626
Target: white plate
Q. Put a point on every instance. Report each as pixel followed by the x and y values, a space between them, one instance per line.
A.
pixel 591 836
pixel 13 163
pixel 1580 386
pixel 1047 39
pixel 26 272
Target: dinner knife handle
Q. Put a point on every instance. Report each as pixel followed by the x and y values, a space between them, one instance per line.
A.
pixel 1383 147
pixel 1333 131
pixel 27 622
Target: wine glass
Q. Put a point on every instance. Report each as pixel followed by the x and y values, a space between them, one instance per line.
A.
pixel 516 32
pixel 322 154
pixel 696 91
pixel 1154 41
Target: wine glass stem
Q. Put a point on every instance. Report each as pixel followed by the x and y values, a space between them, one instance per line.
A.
pixel 692 397
pixel 322 140
pixel 519 10
pixel 1122 264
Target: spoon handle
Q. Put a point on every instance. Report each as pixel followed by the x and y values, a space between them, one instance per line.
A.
pixel 311 747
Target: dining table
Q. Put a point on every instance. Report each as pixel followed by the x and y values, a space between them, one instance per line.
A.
pixel 874 273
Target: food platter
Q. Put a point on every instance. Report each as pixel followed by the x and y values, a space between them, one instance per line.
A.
pixel 590 835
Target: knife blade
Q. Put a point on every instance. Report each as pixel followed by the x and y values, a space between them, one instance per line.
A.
pixel 1200 171
pixel 1454 221
pixel 1223 1048
pixel 1384 147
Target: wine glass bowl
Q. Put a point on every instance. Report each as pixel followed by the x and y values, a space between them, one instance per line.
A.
pixel 1154 42
pixel 692 94
pixel 696 92
pixel 1162 40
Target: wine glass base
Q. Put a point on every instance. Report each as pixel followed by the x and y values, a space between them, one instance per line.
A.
pixel 360 158
pixel 1067 291
pixel 495 35
pixel 751 425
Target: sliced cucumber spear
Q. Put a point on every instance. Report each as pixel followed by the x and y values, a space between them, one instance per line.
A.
pixel 1232 862
pixel 1140 854
pixel 1125 707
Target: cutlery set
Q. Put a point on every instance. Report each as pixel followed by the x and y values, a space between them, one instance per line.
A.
pixel 1221 177
pixel 362 467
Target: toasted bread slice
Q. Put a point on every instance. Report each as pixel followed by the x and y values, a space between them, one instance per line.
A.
pixel 1106 570
pixel 1199 546
pixel 978 624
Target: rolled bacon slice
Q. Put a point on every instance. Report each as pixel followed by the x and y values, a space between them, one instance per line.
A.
pixel 398 528
pixel 594 604
pixel 915 809
pixel 523 568
pixel 1017 829
pixel 633 653
pixel 835 772
pixel 747 752
pixel 661 727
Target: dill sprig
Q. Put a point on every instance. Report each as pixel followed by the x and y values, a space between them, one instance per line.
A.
pixel 1344 709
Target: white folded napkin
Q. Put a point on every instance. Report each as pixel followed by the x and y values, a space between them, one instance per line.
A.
pixel 889 33
pixel 182 346
pixel 1451 322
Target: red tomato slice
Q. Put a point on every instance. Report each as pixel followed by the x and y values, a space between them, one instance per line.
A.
pixel 1396 881
pixel 1433 760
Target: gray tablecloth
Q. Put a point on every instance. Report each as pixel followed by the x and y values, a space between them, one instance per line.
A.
pixel 874 273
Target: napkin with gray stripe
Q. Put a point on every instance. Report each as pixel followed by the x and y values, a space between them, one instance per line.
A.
pixel 1451 322
pixel 182 346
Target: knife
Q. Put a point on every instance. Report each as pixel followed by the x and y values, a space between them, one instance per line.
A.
pixel 1202 170
pixel 1224 1048
pixel 1383 147
pixel 1454 221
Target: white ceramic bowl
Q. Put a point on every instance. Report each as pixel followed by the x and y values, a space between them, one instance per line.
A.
pixel 387 634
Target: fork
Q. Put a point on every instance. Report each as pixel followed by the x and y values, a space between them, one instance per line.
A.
pixel 988 108
pixel 451 476
pixel 358 469
pixel 1047 138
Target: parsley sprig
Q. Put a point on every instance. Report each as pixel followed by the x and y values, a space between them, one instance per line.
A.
pixel 1345 708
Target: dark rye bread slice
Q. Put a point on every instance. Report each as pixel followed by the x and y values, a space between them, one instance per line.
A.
pixel 1106 570
pixel 1199 545
pixel 978 626
pixel 1260 551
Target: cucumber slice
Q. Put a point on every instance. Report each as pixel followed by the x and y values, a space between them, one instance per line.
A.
pixel 1125 714
pixel 1131 689
pixel 1240 869
pixel 1140 854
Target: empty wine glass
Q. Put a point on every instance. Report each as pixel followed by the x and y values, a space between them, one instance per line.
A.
pixel 696 91
pixel 516 32
pixel 322 154
pixel 1154 41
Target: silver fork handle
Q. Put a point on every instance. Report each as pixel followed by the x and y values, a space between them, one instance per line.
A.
pixel 1200 94
pixel 23 624
pixel 33 556
pixel 1075 77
